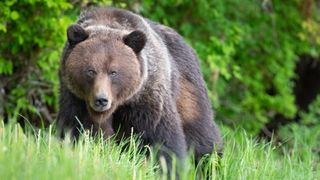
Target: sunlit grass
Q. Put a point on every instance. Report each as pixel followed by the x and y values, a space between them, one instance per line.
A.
pixel 247 158
pixel 43 156
pixel 40 155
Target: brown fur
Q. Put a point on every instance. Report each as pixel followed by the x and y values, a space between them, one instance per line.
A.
pixel 187 102
pixel 159 92
pixel 90 54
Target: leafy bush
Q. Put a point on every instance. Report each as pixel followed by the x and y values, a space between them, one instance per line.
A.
pixel 313 115
pixel 32 36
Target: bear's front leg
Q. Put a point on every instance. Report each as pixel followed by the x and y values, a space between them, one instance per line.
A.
pixel 168 133
pixel 169 136
pixel 158 127
pixel 71 114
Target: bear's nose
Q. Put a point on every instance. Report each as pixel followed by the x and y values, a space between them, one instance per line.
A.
pixel 101 102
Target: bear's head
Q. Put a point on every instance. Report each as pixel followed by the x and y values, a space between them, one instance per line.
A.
pixel 103 68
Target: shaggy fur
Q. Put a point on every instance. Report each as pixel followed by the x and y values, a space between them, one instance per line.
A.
pixel 158 93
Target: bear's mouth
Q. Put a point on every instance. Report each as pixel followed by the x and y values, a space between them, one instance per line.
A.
pixel 99 109
pixel 99 114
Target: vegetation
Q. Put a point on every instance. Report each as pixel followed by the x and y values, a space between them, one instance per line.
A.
pixel 260 59
pixel 39 155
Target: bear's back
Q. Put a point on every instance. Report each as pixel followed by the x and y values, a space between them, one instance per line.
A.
pixel 193 103
pixel 111 17
pixel 183 55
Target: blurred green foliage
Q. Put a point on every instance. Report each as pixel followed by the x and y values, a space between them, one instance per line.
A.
pixel 32 33
pixel 313 115
pixel 248 51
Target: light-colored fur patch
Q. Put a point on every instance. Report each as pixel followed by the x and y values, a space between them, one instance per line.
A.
pixel 100 28
pixel 187 102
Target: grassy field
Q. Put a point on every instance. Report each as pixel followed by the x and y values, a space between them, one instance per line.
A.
pixel 40 155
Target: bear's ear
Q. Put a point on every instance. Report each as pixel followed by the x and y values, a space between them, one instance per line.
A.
pixel 136 40
pixel 76 34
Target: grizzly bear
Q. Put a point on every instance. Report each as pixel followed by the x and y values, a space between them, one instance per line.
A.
pixel 121 72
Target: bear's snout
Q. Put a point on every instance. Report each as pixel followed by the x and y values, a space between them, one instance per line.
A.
pixel 100 103
pixel 100 97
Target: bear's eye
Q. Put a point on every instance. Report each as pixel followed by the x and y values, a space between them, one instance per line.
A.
pixel 113 73
pixel 91 73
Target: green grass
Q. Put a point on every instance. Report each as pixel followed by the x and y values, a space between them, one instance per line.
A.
pixel 40 155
